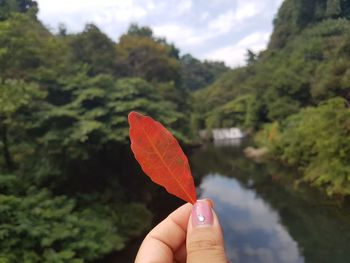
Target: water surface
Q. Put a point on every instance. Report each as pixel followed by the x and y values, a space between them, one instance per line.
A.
pixel 253 232
pixel 265 215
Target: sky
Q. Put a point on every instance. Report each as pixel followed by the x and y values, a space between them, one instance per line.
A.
pixel 208 29
pixel 256 234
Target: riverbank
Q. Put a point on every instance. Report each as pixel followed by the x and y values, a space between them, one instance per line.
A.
pixel 316 142
pixel 265 216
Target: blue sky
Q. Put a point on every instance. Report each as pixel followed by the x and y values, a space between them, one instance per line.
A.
pixel 208 29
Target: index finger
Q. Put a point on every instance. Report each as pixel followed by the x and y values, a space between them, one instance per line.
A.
pixel 166 238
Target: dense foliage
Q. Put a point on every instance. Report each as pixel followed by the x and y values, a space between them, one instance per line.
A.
pixel 37 226
pixel 306 65
pixel 317 139
pixel 67 178
pixel 197 75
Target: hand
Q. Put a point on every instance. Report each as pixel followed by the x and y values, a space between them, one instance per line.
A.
pixel 185 236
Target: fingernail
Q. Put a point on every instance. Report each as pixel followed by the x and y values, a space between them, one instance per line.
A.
pixel 202 215
pixel 211 202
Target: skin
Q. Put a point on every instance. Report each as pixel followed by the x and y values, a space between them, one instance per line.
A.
pixel 176 239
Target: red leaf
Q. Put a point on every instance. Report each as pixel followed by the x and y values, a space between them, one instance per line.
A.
pixel 161 157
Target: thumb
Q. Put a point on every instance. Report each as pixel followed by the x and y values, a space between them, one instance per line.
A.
pixel 204 241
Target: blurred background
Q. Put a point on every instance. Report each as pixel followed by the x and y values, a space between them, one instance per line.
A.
pixel 257 93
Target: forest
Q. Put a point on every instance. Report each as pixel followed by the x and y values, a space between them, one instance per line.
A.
pixel 66 185
pixel 294 95
pixel 67 192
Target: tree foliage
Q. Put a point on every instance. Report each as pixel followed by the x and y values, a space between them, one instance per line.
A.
pixel 17 98
pixel 23 46
pixel 95 49
pixel 37 226
pixel 294 16
pixel 316 140
pixel 69 190
pixel 7 7
pixel 311 68
pixel 298 87
pixel 144 56
pixel 197 75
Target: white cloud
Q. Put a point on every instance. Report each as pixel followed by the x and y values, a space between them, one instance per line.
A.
pixel 248 9
pixel 204 16
pixel 150 5
pixel 174 32
pixel 235 55
pixel 255 39
pixel 75 14
pixel 207 29
pixel 256 216
pixel 223 23
pixel 261 215
pixel 183 35
pixel 263 255
pixel 190 37
pixel 183 7
pixel 88 7
pixel 233 18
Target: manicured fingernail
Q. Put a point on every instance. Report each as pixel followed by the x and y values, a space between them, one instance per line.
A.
pixel 211 202
pixel 202 215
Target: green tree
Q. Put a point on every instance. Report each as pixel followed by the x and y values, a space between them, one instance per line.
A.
pixel 57 118
pixel 25 46
pixel 251 57
pixel 95 49
pixel 16 99
pixel 143 56
pixel 92 117
pixel 298 90
pixel 316 140
pixel 143 31
pixel 196 75
pixel 17 6
pixel 333 8
pixel 37 226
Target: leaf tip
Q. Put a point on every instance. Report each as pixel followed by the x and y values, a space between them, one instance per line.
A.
pixel 133 115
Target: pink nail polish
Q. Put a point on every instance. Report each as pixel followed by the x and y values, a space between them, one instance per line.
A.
pixel 202 215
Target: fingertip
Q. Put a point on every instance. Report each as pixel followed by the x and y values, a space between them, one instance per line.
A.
pixel 210 201
pixel 166 238
pixel 204 239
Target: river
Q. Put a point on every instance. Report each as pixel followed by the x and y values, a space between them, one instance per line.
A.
pixel 265 214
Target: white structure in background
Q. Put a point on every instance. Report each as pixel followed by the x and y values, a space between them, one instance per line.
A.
pixel 227 134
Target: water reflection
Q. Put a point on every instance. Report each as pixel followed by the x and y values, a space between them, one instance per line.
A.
pixel 266 216
pixel 228 142
pixel 252 229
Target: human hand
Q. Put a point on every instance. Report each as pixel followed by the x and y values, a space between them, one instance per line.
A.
pixel 185 236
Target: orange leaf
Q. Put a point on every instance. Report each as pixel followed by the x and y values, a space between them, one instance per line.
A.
pixel 161 157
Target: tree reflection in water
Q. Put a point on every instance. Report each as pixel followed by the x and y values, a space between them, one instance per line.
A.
pixel 265 216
